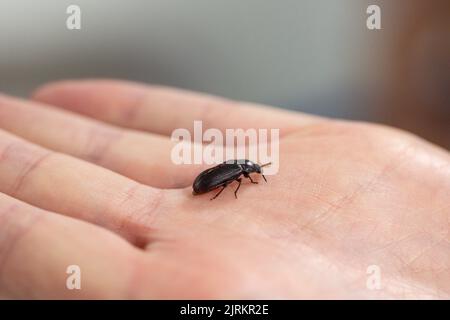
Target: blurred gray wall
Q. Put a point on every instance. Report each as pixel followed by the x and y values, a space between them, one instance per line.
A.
pixel 315 55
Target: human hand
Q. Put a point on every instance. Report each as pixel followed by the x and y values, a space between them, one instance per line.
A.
pixel 90 183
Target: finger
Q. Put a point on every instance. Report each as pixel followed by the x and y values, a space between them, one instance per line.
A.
pixel 63 184
pixel 37 247
pixel 160 109
pixel 143 157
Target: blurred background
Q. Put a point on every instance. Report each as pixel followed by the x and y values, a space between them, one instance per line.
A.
pixel 316 56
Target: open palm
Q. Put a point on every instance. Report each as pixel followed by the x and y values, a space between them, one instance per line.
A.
pixel 86 179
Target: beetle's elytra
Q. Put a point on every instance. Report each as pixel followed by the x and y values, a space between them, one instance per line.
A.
pixel 223 174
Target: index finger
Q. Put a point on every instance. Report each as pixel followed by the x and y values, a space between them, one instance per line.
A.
pixel 160 109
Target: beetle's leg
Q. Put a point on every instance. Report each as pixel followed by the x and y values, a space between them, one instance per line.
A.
pixel 264 178
pixel 217 194
pixel 235 191
pixel 248 176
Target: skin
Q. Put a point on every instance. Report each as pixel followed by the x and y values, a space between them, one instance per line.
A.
pixel 86 179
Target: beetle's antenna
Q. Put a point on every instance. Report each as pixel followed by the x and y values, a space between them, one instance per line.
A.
pixel 265 165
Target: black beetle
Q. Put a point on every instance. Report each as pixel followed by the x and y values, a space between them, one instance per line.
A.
pixel 225 173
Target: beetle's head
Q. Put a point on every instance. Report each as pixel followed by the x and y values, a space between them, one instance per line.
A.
pixel 250 167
